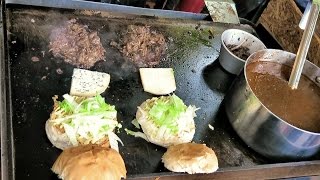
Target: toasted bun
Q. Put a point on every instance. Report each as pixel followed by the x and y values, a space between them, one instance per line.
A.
pixel 158 81
pixel 88 83
pixel 60 139
pixel 162 136
pixel 90 162
pixel 191 158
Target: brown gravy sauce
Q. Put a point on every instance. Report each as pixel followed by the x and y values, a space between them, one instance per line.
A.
pixel 300 107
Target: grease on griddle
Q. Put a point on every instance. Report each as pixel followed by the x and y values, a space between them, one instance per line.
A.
pixel 35 59
pixel 241 52
pixel 142 45
pixel 59 71
pixel 76 44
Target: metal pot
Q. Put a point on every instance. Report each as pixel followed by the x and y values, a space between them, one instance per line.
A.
pixel 258 127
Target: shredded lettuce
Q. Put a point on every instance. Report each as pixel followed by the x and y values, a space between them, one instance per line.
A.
pixel 165 111
pixel 137 134
pixel 86 119
pixel 113 141
pixel 135 123
pixel 90 105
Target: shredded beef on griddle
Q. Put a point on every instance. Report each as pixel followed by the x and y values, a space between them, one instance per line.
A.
pixel 76 44
pixel 143 46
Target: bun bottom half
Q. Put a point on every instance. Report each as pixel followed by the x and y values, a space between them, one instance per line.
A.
pixel 60 139
pixel 56 137
pixel 162 136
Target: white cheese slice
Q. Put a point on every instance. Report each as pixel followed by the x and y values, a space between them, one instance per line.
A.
pixel 158 81
pixel 88 83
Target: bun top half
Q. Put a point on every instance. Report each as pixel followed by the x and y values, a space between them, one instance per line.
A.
pixel 90 162
pixel 191 158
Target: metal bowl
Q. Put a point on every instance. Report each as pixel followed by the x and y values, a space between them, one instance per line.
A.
pixel 258 127
pixel 229 61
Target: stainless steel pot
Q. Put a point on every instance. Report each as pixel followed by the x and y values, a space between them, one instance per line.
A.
pixel 258 127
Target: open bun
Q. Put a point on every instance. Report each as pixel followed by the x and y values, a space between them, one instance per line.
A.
pixel 162 136
pixel 57 134
pixel 60 139
pixel 191 158
pixel 90 162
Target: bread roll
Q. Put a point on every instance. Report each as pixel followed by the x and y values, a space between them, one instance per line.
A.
pixel 90 162
pixel 161 135
pixel 191 158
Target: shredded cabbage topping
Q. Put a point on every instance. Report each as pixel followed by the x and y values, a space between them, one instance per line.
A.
pixel 165 111
pixel 85 119
pixel 135 123
pixel 137 134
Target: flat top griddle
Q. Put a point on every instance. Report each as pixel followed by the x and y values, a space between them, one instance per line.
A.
pixel 193 50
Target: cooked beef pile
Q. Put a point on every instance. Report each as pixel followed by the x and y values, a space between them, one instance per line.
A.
pixel 76 44
pixel 142 45
pixel 241 52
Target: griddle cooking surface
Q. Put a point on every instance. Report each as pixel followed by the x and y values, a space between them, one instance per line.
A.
pixel 191 52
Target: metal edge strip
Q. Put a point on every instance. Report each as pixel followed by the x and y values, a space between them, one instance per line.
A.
pixel 80 4
pixel 267 171
pixel 7 155
pixel 7 149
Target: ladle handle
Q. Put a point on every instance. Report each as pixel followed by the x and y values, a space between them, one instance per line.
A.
pixel 304 47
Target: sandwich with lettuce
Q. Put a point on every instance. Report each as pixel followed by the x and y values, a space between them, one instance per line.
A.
pixel 165 121
pixel 77 121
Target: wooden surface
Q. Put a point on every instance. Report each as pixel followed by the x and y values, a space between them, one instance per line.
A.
pixel 281 19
